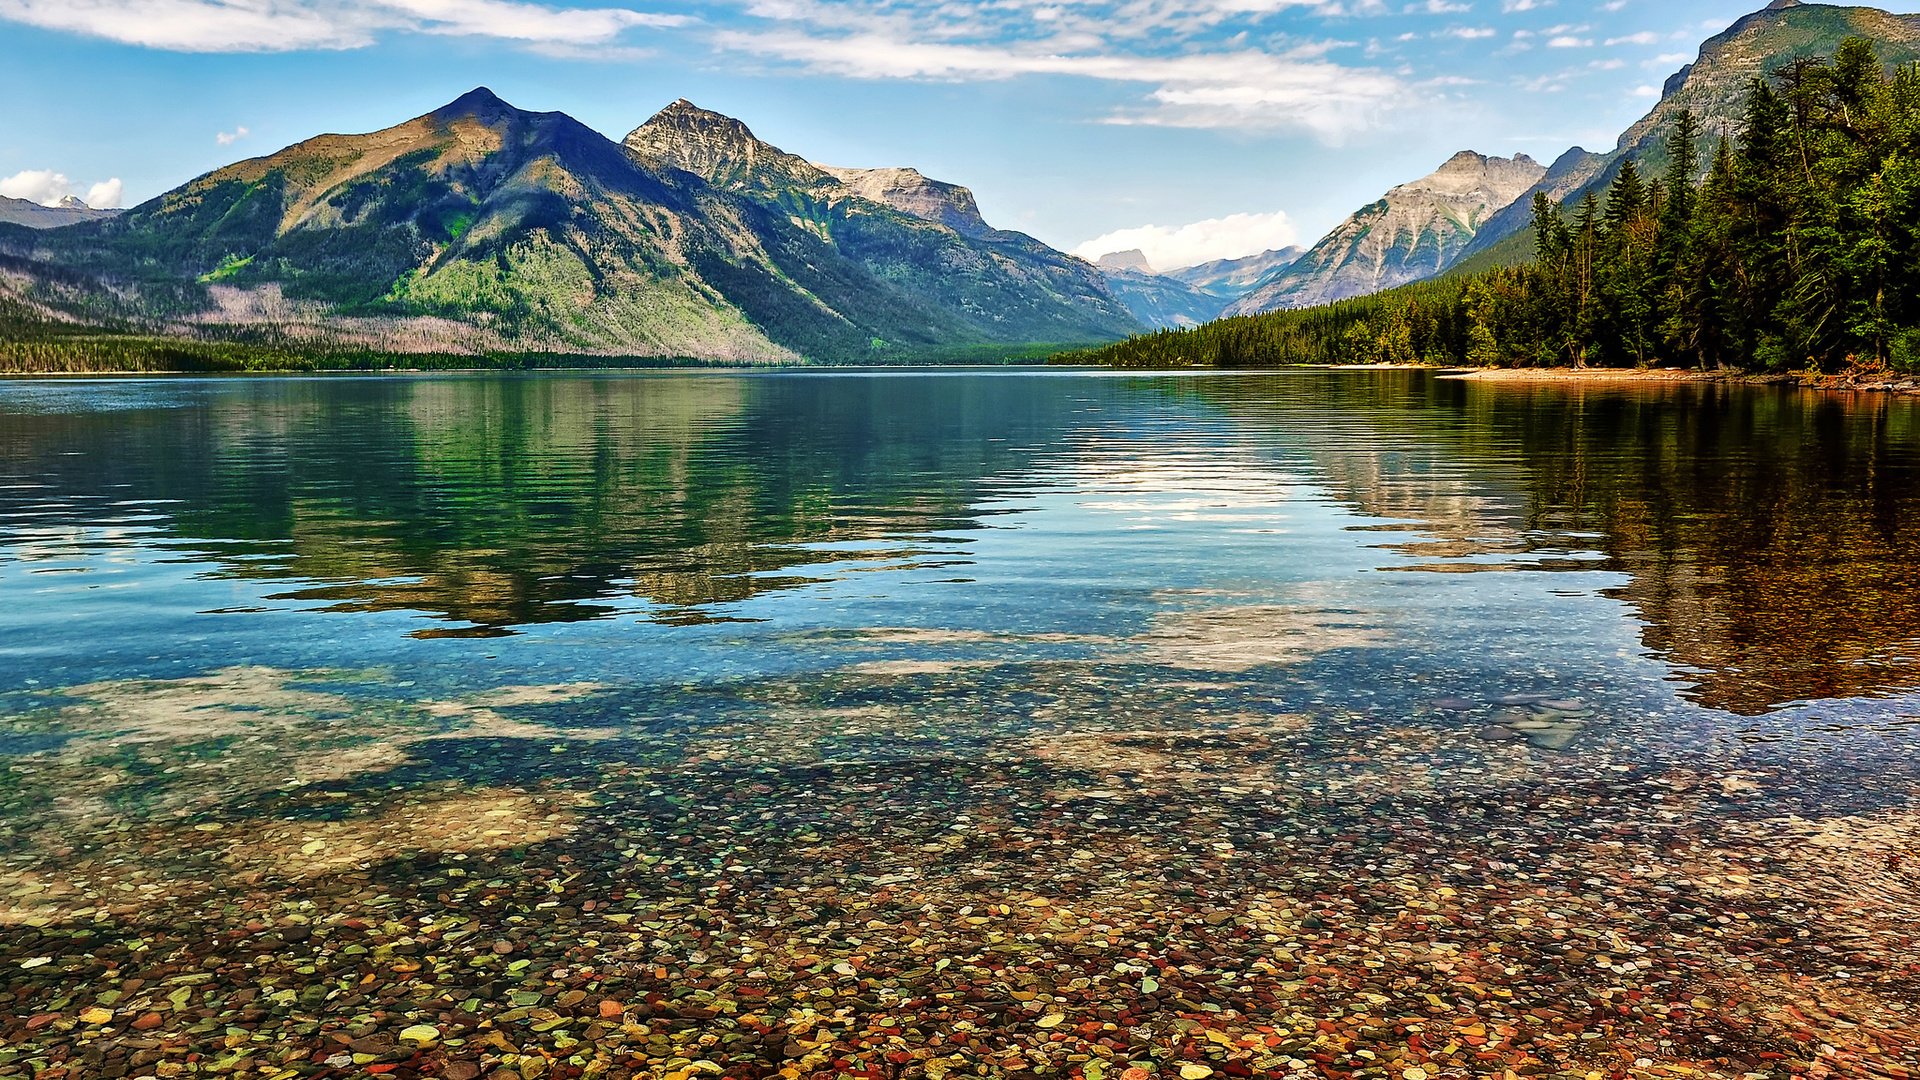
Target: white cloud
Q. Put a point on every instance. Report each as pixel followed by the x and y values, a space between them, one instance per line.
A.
pixel 46 187
pixel 288 25
pixel 1242 89
pixel 106 194
pixel 1201 63
pixel 43 186
pixel 1174 247
pixel 228 138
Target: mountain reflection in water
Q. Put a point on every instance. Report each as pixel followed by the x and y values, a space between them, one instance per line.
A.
pixel 1767 537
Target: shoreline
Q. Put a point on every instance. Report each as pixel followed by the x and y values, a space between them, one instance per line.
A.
pixel 1889 384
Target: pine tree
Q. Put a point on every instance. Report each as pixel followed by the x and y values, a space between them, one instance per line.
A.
pixel 1683 152
pixel 1626 199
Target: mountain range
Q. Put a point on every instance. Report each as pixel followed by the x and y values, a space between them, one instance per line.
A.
pixel 1414 231
pixel 1237 277
pixel 1191 295
pixel 481 227
pixel 68 211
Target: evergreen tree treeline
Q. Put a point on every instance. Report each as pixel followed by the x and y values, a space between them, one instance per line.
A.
pixel 1799 249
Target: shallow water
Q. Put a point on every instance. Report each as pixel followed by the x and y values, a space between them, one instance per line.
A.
pixel 1270 708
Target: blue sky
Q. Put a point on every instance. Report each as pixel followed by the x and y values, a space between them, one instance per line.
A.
pixel 1198 128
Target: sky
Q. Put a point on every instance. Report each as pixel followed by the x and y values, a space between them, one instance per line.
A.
pixel 1191 129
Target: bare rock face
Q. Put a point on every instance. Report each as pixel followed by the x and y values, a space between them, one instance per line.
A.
pixel 725 153
pixel 923 197
pixel 1412 233
pixel 722 151
pixel 1134 261
pixel 1571 172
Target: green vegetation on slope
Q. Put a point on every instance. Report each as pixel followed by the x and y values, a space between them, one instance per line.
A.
pixel 1801 249
pixel 481 232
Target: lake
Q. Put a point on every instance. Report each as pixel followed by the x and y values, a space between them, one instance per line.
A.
pixel 1011 722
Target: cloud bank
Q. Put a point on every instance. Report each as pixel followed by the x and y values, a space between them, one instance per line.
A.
pixel 46 187
pixel 1179 246
pixel 291 25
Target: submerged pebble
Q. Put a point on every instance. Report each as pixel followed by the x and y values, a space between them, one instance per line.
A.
pixel 868 877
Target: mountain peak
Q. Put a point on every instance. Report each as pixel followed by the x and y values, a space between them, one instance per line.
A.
pixel 478 103
pixel 1134 260
pixel 1714 87
pixel 720 150
pixel 1468 171
pixel 1410 234
pixel 684 115
pixel 727 154
pixel 916 195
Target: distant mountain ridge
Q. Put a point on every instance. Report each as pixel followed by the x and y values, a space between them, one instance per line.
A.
pixel 1189 296
pixel 1714 86
pixel 1237 277
pixel 69 211
pixel 1355 259
pixel 1413 232
pixel 1161 301
pixel 482 227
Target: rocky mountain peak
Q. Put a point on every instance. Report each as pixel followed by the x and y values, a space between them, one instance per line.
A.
pixel 910 192
pixel 1468 173
pixel 685 116
pixel 1135 260
pixel 1410 234
pixel 69 211
pixel 727 154
pixel 478 103
pixel 720 150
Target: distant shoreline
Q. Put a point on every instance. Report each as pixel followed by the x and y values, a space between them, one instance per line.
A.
pixel 1877 383
pixel 1594 376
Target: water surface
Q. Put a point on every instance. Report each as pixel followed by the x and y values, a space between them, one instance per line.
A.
pixel 1379 666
